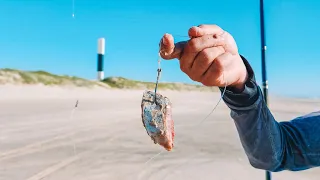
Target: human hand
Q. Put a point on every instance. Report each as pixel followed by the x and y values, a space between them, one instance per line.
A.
pixel 210 57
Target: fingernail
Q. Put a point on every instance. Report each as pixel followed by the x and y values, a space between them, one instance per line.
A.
pixel 196 31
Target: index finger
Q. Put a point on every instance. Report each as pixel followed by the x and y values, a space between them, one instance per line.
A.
pixel 201 30
pixel 169 49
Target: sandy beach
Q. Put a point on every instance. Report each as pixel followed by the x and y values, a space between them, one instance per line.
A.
pixel 42 136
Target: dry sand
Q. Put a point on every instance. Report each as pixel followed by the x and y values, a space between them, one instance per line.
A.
pixel 105 138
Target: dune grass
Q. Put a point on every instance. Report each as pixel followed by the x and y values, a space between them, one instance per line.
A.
pixel 13 76
pixel 123 83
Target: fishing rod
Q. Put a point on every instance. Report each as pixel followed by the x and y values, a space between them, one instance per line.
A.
pixel 263 63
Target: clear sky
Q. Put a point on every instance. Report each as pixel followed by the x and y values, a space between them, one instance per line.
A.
pixel 41 34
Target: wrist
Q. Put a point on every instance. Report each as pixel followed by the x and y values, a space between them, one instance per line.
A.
pixel 244 92
pixel 239 85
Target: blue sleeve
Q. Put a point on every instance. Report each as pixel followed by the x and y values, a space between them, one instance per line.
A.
pixel 270 145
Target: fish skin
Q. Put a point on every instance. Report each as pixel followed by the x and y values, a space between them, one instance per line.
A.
pixel 157 119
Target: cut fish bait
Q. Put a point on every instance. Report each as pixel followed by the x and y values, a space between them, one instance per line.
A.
pixel 157 119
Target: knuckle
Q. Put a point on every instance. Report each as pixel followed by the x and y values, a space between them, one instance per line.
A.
pixel 206 56
pixel 192 77
pixel 193 44
pixel 219 64
pixel 204 61
pixel 190 74
pixel 183 68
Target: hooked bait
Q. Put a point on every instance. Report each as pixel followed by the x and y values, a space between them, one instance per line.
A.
pixel 156 116
pixel 157 119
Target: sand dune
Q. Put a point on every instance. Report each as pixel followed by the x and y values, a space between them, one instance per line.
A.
pixel 104 138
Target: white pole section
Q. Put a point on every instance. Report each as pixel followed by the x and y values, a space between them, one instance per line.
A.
pixel 101 51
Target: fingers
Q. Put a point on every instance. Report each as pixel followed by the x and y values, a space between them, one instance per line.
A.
pixel 170 50
pixel 196 45
pixel 204 60
pixel 206 57
pixel 215 75
pixel 201 30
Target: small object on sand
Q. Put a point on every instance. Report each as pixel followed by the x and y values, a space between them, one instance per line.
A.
pixel 157 119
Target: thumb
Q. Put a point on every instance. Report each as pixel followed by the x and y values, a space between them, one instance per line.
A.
pixel 169 49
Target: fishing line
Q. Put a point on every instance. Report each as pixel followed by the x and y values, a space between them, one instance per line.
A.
pixel 73 9
pixel 77 102
pixel 158 154
pixel 198 125
pixel 214 108
pixel 74 128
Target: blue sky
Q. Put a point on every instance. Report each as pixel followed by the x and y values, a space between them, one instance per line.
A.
pixel 41 34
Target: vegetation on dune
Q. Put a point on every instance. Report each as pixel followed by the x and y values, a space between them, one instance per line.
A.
pixel 123 83
pixel 12 76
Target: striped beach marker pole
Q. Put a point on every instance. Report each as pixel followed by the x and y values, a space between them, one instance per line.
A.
pixel 101 51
